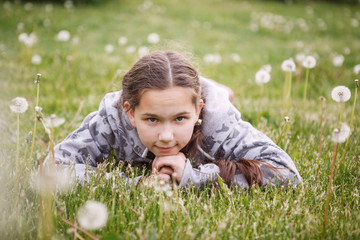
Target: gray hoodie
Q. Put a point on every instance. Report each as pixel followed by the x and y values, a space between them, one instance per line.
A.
pixel 226 136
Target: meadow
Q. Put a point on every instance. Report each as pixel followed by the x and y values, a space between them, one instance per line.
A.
pixel 82 52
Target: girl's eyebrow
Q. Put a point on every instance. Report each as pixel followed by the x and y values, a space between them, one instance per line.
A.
pixel 155 115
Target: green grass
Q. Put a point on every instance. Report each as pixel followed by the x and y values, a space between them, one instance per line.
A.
pixel 194 28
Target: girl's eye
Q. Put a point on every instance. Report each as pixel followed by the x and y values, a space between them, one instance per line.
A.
pixel 180 119
pixel 152 120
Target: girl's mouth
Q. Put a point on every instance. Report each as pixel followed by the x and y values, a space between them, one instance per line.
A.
pixel 165 149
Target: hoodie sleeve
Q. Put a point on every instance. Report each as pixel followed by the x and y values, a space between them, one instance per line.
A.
pixel 90 144
pixel 228 137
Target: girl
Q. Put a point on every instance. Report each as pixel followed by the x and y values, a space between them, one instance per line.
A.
pixel 167 114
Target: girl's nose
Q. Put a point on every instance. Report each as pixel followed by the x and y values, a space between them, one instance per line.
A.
pixel 166 134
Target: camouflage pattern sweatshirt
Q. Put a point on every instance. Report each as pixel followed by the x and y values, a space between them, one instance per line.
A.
pixel 225 135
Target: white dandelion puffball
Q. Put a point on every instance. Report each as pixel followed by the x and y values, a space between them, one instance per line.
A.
pixel 300 57
pixel 50 179
pixel 109 48
pixel 122 40
pixel 22 37
pixel 309 62
pixel 341 134
pixel 153 38
pixel 267 68
pixel 338 60
pixel 93 215
pixel 130 49
pixel 288 65
pixel 340 94
pixel 20 105
pixel 36 59
pixel 63 36
pixel 236 57
pixel 262 77
pixel 53 121
pixel 142 51
pixel 357 69
pixel 212 58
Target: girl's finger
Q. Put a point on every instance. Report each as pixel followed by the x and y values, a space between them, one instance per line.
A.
pixel 164 177
pixel 166 170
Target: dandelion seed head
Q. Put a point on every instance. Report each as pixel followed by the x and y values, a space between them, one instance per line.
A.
pixel 341 134
pixel 38 109
pixel 51 179
pixel 262 77
pixel 130 49
pixel 122 41
pixel 338 60
pixel 20 105
pixel 356 83
pixel 340 94
pixel 68 4
pixel 309 62
pixel 109 48
pixel 53 121
pixel 235 57
pixel 357 69
pixel 288 65
pixel 36 59
pixel 28 6
pixel 212 58
pixel 322 98
pixel 267 68
pixel 48 8
pixel 63 36
pixel 92 215
pixel 153 38
pixel 300 57
pixel 143 50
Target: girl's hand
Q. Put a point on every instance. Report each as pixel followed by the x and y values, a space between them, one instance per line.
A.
pixel 166 166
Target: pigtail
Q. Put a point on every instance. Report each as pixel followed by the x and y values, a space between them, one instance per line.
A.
pixel 251 169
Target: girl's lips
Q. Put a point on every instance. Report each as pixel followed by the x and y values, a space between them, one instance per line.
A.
pixel 167 149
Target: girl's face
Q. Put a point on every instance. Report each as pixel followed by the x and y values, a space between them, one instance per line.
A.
pixel 165 119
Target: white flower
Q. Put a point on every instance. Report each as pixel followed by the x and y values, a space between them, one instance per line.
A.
pixel 109 48
pixel 262 77
pixel 153 38
pixel 20 105
pixel 75 40
pixel 68 4
pixel 22 37
pixel 338 60
pixel 63 36
pixel 48 8
pixel 341 134
pixel 130 49
pixel 340 94
pixel 93 215
pixel 38 109
pixel 357 69
pixel 267 68
pixel 235 57
pixel 36 59
pixel 51 179
pixel 309 62
pixel 300 57
pixel 212 58
pixel 53 121
pixel 122 40
pixel 28 6
pixel 288 65
pixel 287 119
pixel 142 51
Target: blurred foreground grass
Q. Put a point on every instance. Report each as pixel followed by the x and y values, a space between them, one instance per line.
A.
pixel 238 37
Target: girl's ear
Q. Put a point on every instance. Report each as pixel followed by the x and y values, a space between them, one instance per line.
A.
pixel 130 113
pixel 200 106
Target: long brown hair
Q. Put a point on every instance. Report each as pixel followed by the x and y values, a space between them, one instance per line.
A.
pixel 165 69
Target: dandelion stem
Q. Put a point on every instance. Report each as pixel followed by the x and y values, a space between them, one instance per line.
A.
pixel 347 140
pixel 305 87
pixel 321 126
pixel 282 132
pixel 17 142
pixel 260 102
pixel 341 109
pixel 35 120
pixel 330 185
